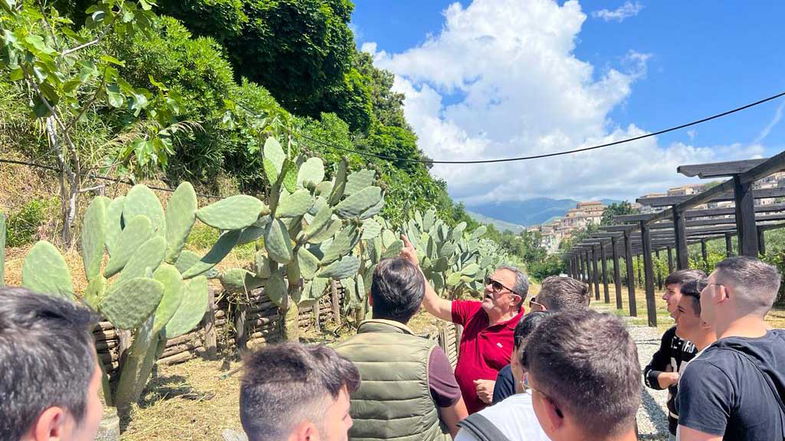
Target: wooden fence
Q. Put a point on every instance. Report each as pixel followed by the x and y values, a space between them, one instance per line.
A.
pixel 218 331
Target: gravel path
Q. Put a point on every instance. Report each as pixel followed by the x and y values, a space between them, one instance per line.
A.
pixel 652 416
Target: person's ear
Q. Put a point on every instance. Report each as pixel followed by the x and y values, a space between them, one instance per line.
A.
pixel 553 414
pixel 305 431
pixel 50 425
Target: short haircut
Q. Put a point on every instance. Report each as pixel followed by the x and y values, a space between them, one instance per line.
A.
pixel 527 325
pixel 680 277
pixel 755 283
pixel 521 286
pixel 47 358
pixel 587 363
pixel 560 293
pixel 398 288
pixel 288 383
pixel 692 289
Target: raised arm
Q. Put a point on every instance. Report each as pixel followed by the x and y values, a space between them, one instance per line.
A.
pixel 435 305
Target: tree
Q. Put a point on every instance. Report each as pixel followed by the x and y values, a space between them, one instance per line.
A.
pixel 68 75
pixel 617 209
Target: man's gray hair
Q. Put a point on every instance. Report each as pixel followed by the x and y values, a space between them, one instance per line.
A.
pixel 521 281
pixel 754 283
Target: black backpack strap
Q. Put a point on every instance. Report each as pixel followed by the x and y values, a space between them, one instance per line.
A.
pixel 482 428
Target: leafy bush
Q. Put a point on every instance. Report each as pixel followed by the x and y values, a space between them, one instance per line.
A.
pixel 23 224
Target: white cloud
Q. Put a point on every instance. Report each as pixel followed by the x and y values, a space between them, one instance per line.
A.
pixel 774 121
pixel 501 80
pixel 623 12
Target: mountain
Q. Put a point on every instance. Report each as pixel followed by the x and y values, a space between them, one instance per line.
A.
pixel 529 212
pixel 499 224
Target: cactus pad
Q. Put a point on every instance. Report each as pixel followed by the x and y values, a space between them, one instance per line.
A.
pixel 142 201
pixel 295 204
pixel 137 231
pixel 146 259
pixel 95 291
pixel 341 269
pixel 192 308
pixel 275 288
pixel 309 264
pixel 222 247
pixel 173 285
pixel 277 242
pixel 359 180
pixel 343 243
pixel 94 236
pixel 114 223
pixel 129 303
pixel 180 216
pixel 358 202
pixel 311 173
pixel 233 213
pixel 273 158
pixel 45 271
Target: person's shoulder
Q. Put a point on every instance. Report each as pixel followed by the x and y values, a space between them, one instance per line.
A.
pixel 467 307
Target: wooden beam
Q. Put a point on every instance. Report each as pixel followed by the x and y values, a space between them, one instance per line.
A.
pixel 717 169
pixel 666 201
pixel 728 244
pixel 596 280
pixel 670 260
pixel 648 270
pixel 659 273
pixel 682 254
pixel 704 252
pixel 761 241
pixel 630 274
pixel 745 217
pixel 605 287
pixel 616 273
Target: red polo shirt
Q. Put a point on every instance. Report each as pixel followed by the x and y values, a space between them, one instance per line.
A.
pixel 484 349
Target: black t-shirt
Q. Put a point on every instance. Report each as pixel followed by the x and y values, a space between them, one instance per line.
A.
pixel 722 393
pixel 505 384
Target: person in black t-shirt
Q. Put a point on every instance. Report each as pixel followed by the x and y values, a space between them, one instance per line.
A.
pixel 663 369
pixel 732 390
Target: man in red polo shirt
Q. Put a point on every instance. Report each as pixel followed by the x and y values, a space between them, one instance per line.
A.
pixel 487 340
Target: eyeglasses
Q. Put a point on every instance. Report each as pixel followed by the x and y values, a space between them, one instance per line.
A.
pixel 533 301
pixel 496 286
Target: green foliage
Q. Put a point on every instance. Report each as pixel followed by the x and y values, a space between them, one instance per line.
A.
pixel 23 224
pixel 550 266
pixel 617 209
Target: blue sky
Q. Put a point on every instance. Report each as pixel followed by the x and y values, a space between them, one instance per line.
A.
pixel 653 64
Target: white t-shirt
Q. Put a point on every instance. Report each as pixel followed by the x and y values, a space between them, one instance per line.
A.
pixel 514 417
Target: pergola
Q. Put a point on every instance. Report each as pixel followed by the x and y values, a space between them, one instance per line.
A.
pixel 680 223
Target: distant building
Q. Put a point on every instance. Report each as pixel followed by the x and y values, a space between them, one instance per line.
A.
pixel 558 229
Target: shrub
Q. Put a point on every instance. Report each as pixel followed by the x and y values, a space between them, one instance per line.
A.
pixel 24 223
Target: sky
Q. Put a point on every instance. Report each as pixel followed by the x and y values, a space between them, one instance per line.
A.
pixel 499 78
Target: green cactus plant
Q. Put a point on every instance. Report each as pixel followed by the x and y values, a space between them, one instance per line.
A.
pixel 149 285
pixel 311 232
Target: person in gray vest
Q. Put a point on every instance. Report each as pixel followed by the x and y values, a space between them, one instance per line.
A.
pixel 408 391
pixel 50 381
pixel 296 392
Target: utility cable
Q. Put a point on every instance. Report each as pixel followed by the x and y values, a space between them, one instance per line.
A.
pixel 547 155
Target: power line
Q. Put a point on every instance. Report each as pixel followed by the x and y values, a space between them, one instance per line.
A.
pixel 103 178
pixel 548 155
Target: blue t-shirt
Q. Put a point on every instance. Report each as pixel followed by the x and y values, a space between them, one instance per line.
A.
pixel 505 384
pixel 721 392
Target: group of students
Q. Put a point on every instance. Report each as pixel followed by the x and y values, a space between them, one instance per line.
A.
pixel 559 372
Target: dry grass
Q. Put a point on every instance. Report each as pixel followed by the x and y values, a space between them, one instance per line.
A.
pixel 189 401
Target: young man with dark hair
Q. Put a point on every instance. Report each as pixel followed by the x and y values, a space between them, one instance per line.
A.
pixel 506 383
pixel 582 368
pixel 734 389
pixel 50 381
pixel 689 324
pixel 561 293
pixel 294 392
pixel 674 352
pixel 514 417
pixel 420 398
pixel 486 342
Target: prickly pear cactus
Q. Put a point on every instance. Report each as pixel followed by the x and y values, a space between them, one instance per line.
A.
pixel 148 284
pixel 311 232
